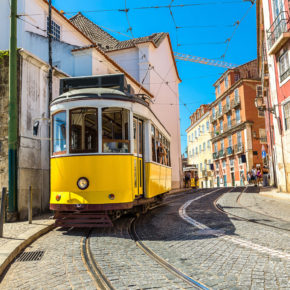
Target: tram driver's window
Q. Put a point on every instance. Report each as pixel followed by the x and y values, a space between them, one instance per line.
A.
pixel 84 130
pixel 115 128
pixel 59 133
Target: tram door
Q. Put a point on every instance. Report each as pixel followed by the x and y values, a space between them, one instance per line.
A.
pixel 138 156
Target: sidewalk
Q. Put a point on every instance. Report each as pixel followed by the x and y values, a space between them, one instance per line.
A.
pixel 18 235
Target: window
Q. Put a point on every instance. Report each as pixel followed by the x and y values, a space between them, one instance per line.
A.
pixel 59 133
pixel 221 126
pixel 195 133
pixel 200 166
pixel 229 121
pixel 263 136
pixel 228 102
pixel 83 130
pixel 153 138
pixel 199 148
pixel 220 107
pixel 261 113
pixel 284 67
pixel 218 89
pixel 203 128
pixel 202 111
pixel 230 141
pixel 213 111
pixel 198 131
pixel 232 162
pixel 239 138
pixel 287 116
pixel 238 116
pixel 222 144
pixel 215 147
pixel 224 163
pixel 196 152
pixel 226 81
pixel 207 126
pixel 236 76
pixel 204 145
pixel 217 165
pixel 214 130
pixel 55 29
pixel 208 144
pixel 197 115
pixel 115 128
pixel 192 153
pixel 236 94
pixel 192 136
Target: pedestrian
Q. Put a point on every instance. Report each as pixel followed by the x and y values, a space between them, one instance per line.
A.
pixel 259 176
pixel 265 176
pixel 187 179
pixel 249 177
pixel 242 178
pixel 254 175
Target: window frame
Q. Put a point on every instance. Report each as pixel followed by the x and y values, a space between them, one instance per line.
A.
pixel 52 133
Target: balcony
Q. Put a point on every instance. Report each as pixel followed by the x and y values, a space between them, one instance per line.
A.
pixel 230 150
pixel 222 153
pixel 239 148
pixel 278 33
pixel 213 117
pixel 226 108
pixel 215 155
pixel 204 173
pixel 220 114
pixel 263 139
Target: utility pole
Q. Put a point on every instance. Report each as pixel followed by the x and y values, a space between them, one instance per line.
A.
pixel 13 115
pixel 49 53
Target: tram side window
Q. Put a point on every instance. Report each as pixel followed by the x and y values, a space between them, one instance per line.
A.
pixel 153 138
pixel 115 128
pixel 84 130
pixel 59 133
pixel 163 150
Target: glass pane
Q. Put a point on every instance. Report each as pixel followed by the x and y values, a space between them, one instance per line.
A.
pixel 59 132
pixel 115 128
pixel 84 130
pixel 140 139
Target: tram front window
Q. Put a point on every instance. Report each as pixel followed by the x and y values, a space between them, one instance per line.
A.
pixel 59 133
pixel 115 128
pixel 84 130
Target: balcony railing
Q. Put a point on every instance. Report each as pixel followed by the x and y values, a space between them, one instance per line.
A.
pixel 278 27
pixel 226 108
pixel 222 153
pixel 230 150
pixel 215 155
pixel 204 173
pixel 239 148
pixel 220 113
pixel 284 75
pixel 213 117
pixel 263 139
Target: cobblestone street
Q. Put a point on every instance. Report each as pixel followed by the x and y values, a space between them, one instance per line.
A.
pixel 223 238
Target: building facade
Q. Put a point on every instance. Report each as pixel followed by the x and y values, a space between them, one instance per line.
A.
pixel 273 43
pixel 199 147
pixel 238 128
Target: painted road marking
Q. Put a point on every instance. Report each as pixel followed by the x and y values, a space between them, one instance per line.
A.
pixel 219 234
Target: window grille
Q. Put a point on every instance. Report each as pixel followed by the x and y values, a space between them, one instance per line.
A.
pixel 55 29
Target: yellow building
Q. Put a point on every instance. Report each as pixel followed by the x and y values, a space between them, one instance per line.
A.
pixel 199 147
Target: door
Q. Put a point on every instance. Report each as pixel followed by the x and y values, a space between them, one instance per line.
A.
pixel 225 181
pixel 218 181
pixel 138 156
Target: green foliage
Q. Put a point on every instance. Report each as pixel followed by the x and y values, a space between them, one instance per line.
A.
pixel 4 53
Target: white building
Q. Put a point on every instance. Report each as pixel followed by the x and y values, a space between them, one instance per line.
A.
pixel 150 70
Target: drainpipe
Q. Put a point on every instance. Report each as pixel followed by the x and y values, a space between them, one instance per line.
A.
pixel 13 116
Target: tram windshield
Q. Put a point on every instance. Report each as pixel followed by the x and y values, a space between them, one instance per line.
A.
pixel 84 130
pixel 115 128
pixel 59 133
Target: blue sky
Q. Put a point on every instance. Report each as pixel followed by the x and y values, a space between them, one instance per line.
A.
pixel 203 31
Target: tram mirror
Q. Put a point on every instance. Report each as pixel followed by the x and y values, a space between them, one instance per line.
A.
pixel 35 128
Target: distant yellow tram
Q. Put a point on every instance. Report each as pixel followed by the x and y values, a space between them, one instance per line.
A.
pixel 109 154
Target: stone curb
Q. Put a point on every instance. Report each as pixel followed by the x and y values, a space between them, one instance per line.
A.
pixel 10 251
pixel 277 195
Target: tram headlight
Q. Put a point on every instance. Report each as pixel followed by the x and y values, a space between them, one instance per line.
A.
pixel 83 183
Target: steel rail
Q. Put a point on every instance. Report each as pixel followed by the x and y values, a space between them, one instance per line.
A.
pixel 220 209
pixel 94 270
pixel 190 281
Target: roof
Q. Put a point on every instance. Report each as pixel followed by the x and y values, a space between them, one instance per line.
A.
pixel 107 42
pixel 243 70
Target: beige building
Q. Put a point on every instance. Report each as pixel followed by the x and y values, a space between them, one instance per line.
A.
pixel 199 152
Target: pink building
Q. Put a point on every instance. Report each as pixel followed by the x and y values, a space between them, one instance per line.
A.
pixel 273 38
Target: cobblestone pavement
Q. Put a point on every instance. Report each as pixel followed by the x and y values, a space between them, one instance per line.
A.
pixel 245 248
pixel 245 256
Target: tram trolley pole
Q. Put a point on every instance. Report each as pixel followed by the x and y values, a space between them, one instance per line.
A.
pixel 29 206
pixel 3 210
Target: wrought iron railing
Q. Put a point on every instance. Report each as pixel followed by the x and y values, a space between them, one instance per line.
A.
pixel 279 26
pixel 284 75
pixel 230 150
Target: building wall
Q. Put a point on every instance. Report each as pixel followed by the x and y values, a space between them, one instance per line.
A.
pixel 203 157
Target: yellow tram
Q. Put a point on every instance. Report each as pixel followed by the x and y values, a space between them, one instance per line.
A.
pixel 109 154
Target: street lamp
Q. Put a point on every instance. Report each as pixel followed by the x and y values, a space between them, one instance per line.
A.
pixel 261 106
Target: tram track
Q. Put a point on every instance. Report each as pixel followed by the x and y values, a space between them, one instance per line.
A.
pixel 220 209
pixel 169 267
pixel 94 270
